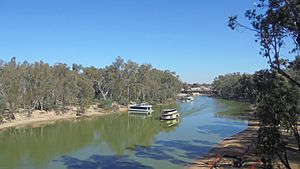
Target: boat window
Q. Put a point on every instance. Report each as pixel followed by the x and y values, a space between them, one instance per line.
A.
pixel 137 107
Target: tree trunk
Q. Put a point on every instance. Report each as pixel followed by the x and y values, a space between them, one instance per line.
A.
pixel 128 94
pixel 42 104
pixel 284 160
pixel 296 135
pixel 104 94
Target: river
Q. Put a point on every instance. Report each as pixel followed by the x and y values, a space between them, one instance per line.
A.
pixel 123 141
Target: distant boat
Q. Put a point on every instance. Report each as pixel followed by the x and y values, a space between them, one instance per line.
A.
pixel 190 98
pixel 169 114
pixel 140 108
pixel 187 99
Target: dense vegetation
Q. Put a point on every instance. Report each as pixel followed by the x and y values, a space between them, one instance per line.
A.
pixel 276 24
pixel 235 86
pixel 277 104
pixel 40 86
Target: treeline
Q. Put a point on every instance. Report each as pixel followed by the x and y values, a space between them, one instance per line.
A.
pixel 44 87
pixel 235 86
pixel 244 87
pixel 277 102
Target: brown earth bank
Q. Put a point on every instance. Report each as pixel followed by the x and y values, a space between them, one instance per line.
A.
pixel 37 116
pixel 239 148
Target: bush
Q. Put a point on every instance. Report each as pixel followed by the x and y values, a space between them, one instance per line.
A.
pixel 104 103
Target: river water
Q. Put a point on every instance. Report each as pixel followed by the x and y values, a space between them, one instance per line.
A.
pixel 122 141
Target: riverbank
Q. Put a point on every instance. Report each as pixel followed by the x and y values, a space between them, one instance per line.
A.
pixel 21 118
pixel 240 145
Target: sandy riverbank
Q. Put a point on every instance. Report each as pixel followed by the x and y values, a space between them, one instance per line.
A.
pixel 47 116
pixel 241 145
pixel 236 145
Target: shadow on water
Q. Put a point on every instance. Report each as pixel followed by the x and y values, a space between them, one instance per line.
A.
pixel 166 151
pixel 103 162
pixel 120 141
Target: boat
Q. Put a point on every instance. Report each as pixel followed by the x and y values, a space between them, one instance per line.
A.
pixel 190 98
pixel 140 108
pixel 187 99
pixel 169 114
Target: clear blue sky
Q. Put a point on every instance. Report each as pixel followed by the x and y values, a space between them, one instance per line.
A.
pixel 189 37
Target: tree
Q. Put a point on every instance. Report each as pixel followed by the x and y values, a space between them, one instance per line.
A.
pixel 274 22
pixel 10 82
pixel 235 86
pixel 39 86
pixel 274 111
pixel 130 78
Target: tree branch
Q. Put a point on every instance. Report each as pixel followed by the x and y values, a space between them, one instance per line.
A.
pixel 283 73
pixel 246 27
pixel 296 19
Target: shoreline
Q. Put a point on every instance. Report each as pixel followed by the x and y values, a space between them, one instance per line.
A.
pixel 38 117
pixel 239 145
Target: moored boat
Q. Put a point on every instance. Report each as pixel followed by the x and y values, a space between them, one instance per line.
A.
pixel 140 108
pixel 190 98
pixel 187 99
pixel 169 114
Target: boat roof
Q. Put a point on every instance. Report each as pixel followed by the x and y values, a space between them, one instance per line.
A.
pixel 168 109
pixel 141 105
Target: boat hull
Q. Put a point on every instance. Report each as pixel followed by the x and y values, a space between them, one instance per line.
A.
pixel 135 111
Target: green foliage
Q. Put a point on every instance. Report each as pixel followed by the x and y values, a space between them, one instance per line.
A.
pixel 127 82
pixel 277 107
pixel 235 86
pixel 2 105
pixel 276 110
pixel 41 86
pixel 276 23
pixel 104 103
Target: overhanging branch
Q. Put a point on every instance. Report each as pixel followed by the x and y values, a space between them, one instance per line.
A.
pixel 283 73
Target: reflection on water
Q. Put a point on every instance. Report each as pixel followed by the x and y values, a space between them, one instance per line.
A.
pixel 120 141
pixel 233 110
pixel 141 115
pixel 169 123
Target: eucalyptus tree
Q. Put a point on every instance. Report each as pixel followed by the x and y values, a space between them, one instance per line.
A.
pixel 225 85
pixel 275 111
pixel 10 84
pixel 60 82
pixel 2 100
pixel 2 96
pixel 84 93
pixel 130 80
pixel 246 88
pixel 40 86
pixel 144 81
pixel 276 24
pixel 117 72
pixel 294 70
